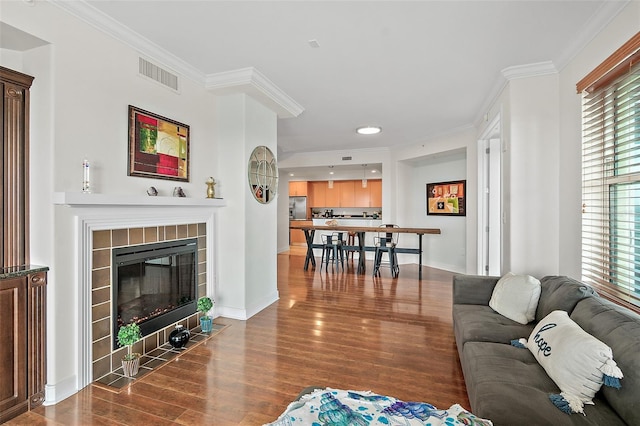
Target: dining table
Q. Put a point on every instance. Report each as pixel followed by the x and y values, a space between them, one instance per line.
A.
pixel 360 231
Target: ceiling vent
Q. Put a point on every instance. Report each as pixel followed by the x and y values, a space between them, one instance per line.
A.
pixel 155 73
pixel 346 158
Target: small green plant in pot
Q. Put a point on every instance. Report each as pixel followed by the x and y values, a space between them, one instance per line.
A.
pixel 128 335
pixel 204 305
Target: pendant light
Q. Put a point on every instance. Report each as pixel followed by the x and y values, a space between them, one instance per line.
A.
pixel 364 177
pixel 330 183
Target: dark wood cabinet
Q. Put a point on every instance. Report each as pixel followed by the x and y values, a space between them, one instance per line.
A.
pixel 22 286
pixel 23 339
pixel 14 157
pixel 13 352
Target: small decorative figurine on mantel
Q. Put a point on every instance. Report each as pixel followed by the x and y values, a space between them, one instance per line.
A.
pixel 211 191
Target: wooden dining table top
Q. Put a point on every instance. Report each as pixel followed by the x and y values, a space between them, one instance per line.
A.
pixel 419 231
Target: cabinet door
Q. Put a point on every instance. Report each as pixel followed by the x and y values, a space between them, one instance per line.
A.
pixel 333 195
pixel 297 188
pixel 361 195
pixel 375 193
pixel 14 154
pixel 347 193
pixel 13 350
pixel 318 194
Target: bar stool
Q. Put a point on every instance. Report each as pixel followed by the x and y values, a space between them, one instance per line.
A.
pixel 386 242
pixel 351 241
pixel 332 250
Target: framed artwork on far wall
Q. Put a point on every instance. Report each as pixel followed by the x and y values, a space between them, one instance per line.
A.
pixel 158 146
pixel 447 198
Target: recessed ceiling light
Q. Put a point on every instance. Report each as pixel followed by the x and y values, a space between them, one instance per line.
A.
pixel 368 130
pixel 290 174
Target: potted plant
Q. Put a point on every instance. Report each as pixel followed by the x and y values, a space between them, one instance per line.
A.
pixel 128 335
pixel 204 305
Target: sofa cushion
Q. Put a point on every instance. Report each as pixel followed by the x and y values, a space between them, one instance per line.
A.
pixel 619 328
pixel 560 293
pixel 506 385
pixel 516 297
pixel 473 289
pixel 573 358
pixel 480 323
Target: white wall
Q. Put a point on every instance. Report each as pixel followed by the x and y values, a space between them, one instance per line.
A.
pixel 534 170
pixel 447 250
pixel 448 155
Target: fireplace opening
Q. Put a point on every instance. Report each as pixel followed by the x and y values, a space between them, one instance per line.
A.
pixel 154 285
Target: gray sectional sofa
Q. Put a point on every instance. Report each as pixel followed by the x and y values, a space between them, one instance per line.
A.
pixel 507 385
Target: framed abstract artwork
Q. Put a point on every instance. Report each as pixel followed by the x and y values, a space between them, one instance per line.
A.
pixel 447 198
pixel 158 146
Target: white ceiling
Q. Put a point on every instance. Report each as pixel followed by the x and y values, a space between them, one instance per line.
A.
pixel 418 69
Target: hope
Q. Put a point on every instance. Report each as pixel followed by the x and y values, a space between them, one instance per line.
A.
pixel 543 346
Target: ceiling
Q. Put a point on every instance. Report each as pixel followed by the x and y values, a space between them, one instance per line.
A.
pixel 418 69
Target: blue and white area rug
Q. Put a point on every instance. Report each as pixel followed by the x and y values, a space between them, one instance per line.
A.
pixel 350 408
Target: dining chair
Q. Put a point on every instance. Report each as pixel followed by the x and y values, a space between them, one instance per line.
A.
pixel 332 250
pixel 386 241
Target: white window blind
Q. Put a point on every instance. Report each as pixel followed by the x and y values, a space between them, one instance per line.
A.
pixel 611 186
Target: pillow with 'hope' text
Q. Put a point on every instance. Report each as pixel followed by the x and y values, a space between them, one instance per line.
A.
pixel 575 360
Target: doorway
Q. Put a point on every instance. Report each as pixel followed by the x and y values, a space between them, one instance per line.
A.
pixel 490 200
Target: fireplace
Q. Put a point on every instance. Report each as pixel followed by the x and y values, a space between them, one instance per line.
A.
pixel 154 285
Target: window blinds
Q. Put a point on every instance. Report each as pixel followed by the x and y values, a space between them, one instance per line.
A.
pixel 611 186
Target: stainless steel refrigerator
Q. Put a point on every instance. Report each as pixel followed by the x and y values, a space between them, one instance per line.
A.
pixel 297 208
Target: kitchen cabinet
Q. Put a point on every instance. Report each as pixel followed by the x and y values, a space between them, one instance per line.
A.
pixel 375 192
pixel 347 193
pixel 22 353
pixel 317 194
pixel 333 195
pixel 296 236
pixel 361 198
pixel 298 188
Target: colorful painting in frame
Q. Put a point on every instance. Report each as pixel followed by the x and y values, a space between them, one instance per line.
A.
pixel 447 198
pixel 158 146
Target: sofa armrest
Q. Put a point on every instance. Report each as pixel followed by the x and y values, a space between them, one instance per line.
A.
pixel 473 289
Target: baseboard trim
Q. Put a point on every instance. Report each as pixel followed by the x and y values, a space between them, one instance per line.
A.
pixel 60 391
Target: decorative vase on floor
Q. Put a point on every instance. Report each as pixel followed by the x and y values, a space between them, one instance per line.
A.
pixel 206 324
pixel 179 337
pixel 130 366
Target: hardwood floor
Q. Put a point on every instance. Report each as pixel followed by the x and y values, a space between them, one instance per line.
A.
pixel 341 330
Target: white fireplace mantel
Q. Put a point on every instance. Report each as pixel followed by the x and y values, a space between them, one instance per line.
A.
pixel 93 212
pixel 78 199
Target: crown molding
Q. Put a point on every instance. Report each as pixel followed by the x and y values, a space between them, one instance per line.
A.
pixel 246 80
pixel 529 70
pixel 101 21
pixel 251 81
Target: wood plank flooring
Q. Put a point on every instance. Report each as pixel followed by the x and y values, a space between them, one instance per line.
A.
pixel 335 329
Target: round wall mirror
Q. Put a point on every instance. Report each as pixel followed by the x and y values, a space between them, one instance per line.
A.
pixel 263 175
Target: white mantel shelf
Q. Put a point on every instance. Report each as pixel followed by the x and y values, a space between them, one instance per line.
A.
pixel 79 199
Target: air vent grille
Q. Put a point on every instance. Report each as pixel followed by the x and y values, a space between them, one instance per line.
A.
pixel 346 158
pixel 158 74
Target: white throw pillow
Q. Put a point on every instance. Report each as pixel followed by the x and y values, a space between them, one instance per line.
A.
pixel 575 360
pixel 516 297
